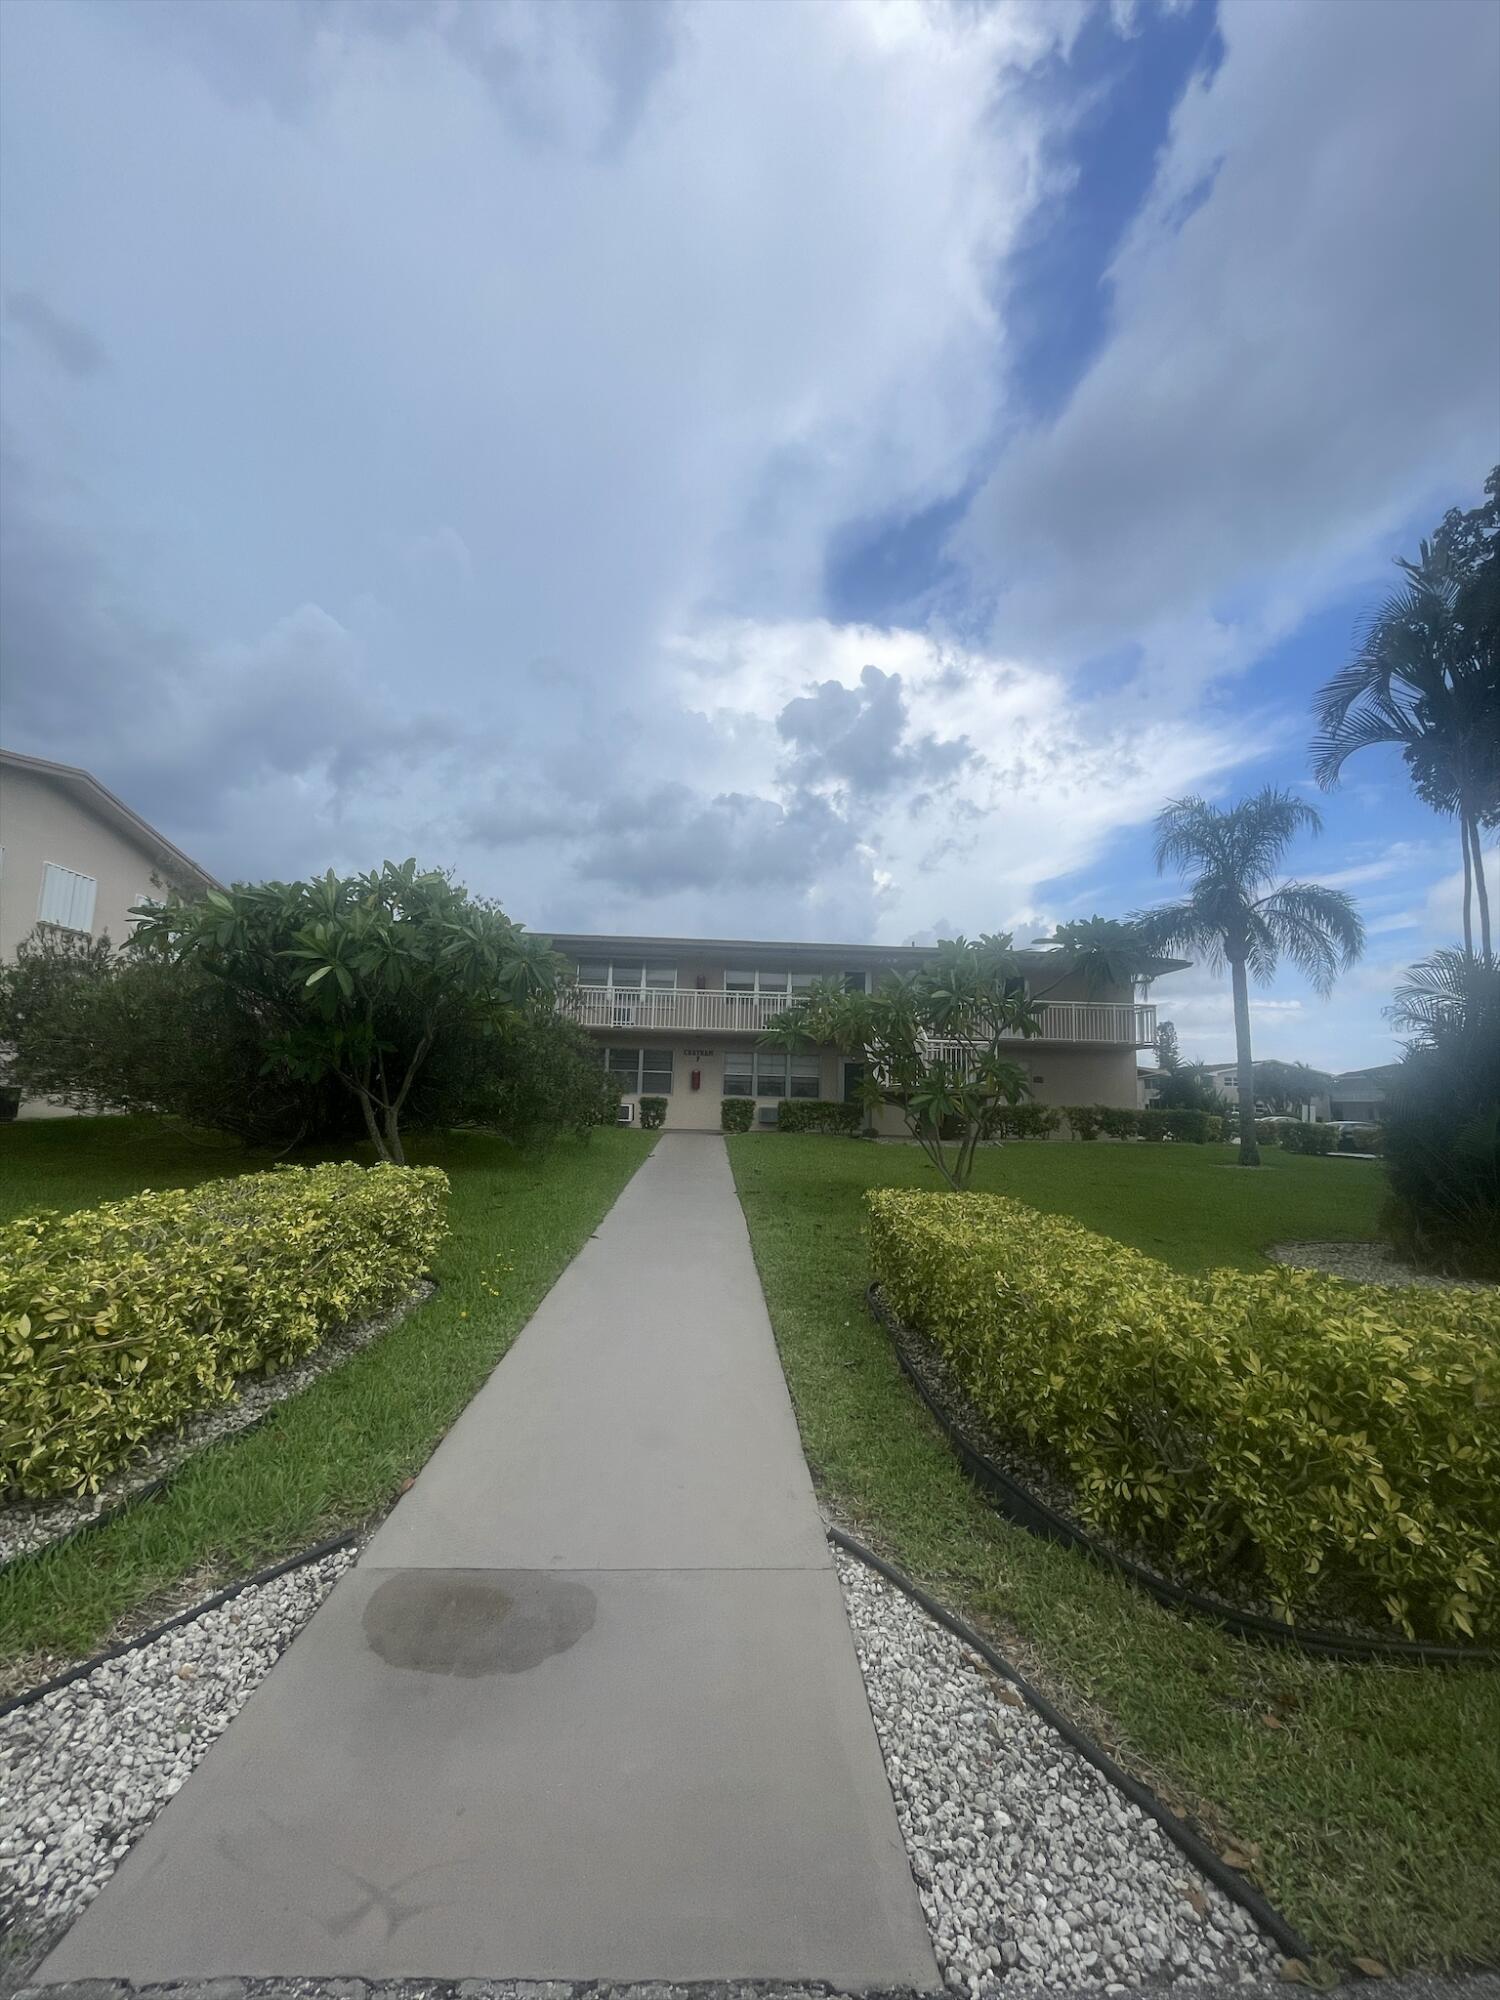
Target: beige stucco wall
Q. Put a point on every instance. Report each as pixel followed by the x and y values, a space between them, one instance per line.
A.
pixel 1058 1076
pixel 40 823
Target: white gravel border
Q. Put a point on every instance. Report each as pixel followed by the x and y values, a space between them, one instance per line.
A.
pixel 85 1770
pixel 1367 1264
pixel 28 1526
pixel 1034 1872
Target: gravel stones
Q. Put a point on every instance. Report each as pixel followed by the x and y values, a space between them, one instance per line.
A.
pixel 84 1770
pixel 1034 1872
pixel 1367 1264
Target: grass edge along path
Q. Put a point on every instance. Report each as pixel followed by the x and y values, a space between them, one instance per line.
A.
pixel 1367 1799
pixel 338 1452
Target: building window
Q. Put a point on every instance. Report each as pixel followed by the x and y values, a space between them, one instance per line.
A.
pixel 67 898
pixel 773 984
pixel 771 1073
pixel 629 976
pixel 641 1072
pixel 806 1078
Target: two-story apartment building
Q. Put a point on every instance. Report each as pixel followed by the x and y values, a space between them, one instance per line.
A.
pixel 681 1018
pixel 74 856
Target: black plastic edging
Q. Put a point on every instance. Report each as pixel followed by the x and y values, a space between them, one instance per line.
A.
pixel 232 1590
pixel 1193 1845
pixel 1027 1510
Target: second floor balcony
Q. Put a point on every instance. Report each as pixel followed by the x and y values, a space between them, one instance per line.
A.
pixel 696 1011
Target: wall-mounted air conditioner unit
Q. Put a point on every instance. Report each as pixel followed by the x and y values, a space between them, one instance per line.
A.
pixel 767 1114
pixel 626 1114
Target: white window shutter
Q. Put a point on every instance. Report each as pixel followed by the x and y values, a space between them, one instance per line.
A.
pixel 67 898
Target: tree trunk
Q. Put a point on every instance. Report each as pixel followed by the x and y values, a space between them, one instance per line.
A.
pixel 1476 842
pixel 394 1152
pixel 371 1125
pixel 1463 827
pixel 1249 1150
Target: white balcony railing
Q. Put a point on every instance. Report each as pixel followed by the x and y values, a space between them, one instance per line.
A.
pixel 691 1010
pixel 686 1008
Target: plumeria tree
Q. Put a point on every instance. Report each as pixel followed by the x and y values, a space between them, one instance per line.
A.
pixel 1240 914
pixel 358 978
pixel 933 1042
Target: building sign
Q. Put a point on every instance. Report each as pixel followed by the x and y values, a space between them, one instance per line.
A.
pixel 701 1055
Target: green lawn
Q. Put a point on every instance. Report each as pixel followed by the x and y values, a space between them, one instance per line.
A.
pixel 1371 1794
pixel 337 1453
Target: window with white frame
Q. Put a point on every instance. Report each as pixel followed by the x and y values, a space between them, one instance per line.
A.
pixel 772 1073
pixel 739 980
pixel 629 976
pixel 643 1072
pixel 67 898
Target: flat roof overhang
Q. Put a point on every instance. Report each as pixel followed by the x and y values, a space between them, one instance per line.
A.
pixel 591 944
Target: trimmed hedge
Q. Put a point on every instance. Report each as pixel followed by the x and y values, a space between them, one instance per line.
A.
pixel 820 1114
pixel 1313 1140
pixel 1084 1120
pixel 118 1322
pixel 653 1112
pixel 1195 1127
pixel 1362 1139
pixel 1026 1121
pixel 1286 1434
pixel 736 1114
pixel 1116 1121
pixel 1271 1131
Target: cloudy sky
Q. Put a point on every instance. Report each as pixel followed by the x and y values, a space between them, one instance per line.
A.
pixel 816 469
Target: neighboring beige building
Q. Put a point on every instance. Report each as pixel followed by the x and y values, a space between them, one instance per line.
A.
pixel 681 1018
pixel 74 856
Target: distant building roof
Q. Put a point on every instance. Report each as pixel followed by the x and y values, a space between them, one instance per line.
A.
pixel 1382 1073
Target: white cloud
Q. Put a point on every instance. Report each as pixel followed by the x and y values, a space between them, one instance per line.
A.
pixel 1270 399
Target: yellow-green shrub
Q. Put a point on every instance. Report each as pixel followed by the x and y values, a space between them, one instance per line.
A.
pixel 118 1322
pixel 1338 1444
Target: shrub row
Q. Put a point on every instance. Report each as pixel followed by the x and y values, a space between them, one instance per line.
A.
pixel 1313 1441
pixel 1087 1121
pixel 1025 1121
pixel 1312 1140
pixel 736 1114
pixel 819 1114
pixel 118 1322
pixel 653 1112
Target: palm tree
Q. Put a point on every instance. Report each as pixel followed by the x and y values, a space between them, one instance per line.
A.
pixel 1238 914
pixel 1426 677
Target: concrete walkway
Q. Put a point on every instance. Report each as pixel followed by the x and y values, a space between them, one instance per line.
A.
pixel 588 1706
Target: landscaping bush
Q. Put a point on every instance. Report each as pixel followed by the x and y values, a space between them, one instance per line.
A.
pixel 1362 1139
pixel 1283 1434
pixel 120 1321
pixel 1024 1121
pixel 1442 1117
pixel 820 1114
pixel 1084 1120
pixel 1271 1131
pixel 1196 1127
pixel 1116 1122
pixel 1315 1140
pixel 737 1114
pixel 653 1112
pixel 127 1030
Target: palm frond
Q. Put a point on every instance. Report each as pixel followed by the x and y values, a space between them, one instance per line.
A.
pixel 1181 929
pixel 1318 929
